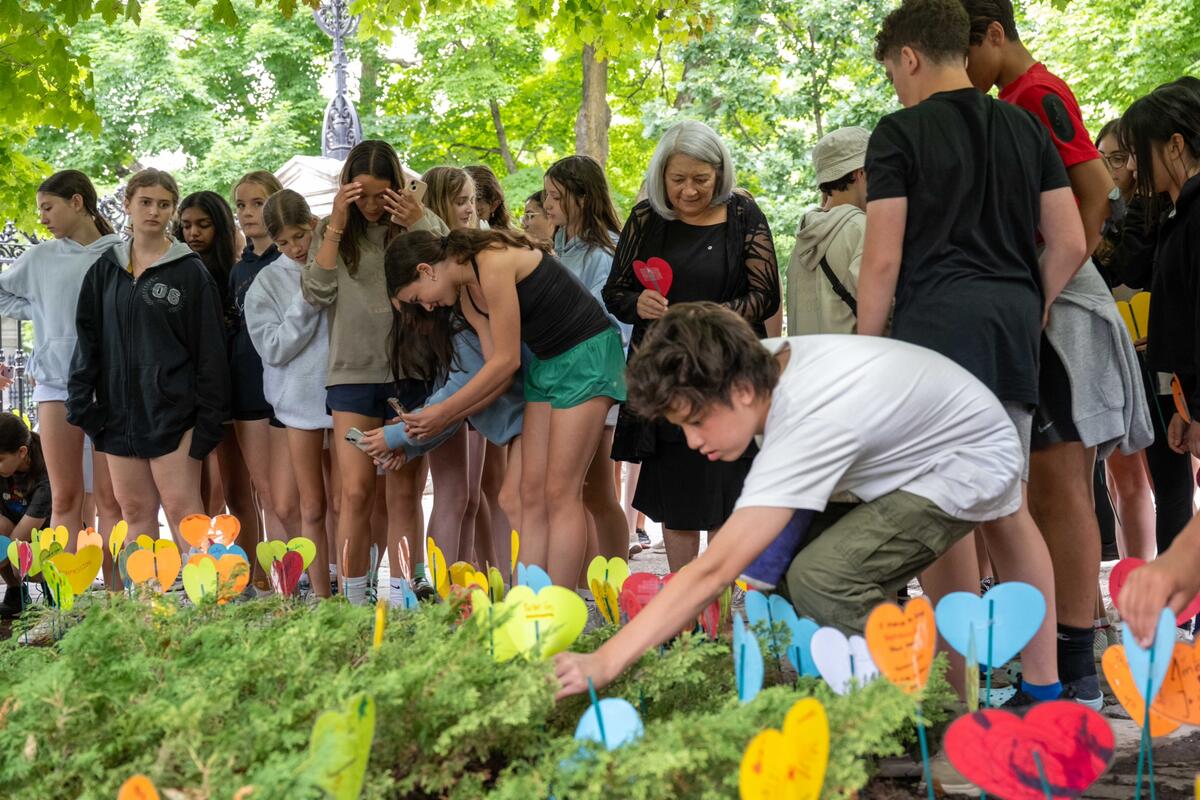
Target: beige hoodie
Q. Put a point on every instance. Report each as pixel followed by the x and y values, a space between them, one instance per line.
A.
pixel 812 304
pixel 360 313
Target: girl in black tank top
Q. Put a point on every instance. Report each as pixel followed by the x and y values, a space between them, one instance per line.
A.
pixel 510 291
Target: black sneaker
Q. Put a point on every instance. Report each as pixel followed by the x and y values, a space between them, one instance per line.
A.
pixel 11 606
pixel 1020 702
pixel 1085 690
pixel 643 538
pixel 423 589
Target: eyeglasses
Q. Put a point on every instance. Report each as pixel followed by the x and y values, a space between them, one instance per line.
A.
pixel 1117 160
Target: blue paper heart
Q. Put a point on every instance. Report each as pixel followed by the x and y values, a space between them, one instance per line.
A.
pixel 747 661
pixel 770 611
pixel 216 550
pixel 410 599
pixel 1150 665
pixel 799 650
pixel 533 576
pixel 4 543
pixel 622 725
pixel 1017 612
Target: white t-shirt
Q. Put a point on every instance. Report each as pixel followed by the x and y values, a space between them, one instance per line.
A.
pixel 871 416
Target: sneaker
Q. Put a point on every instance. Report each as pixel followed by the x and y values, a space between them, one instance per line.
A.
pixel 635 548
pixel 1105 638
pixel 1019 701
pixel 16 598
pixel 643 538
pixel 423 589
pixel 986 584
pixel 948 780
pixel 1085 690
pixel 659 547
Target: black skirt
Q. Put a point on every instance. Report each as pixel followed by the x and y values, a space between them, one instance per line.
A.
pixel 684 491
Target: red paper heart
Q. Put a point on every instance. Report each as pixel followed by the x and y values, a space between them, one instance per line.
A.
pixel 638 590
pixel 286 571
pixel 1121 571
pixel 24 559
pixel 654 273
pixel 994 749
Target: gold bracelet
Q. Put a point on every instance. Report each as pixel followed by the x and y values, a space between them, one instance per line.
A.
pixel 335 231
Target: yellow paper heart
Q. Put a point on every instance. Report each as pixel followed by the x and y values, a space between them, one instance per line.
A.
pixel 116 539
pixel 492 618
pixel 145 542
pixel 788 764
pixel 514 550
pixel 437 569
pixel 611 570
pixel 47 537
pixel 200 580
pixel 81 568
pixel 544 623
pixel 341 747
pixel 89 538
pixel 60 587
pixel 605 595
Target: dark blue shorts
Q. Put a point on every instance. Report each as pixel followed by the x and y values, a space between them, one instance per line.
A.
pixel 370 399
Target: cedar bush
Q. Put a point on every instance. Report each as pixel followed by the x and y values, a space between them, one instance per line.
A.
pixel 210 700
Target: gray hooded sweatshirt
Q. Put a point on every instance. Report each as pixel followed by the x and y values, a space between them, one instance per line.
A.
pixel 812 304
pixel 43 285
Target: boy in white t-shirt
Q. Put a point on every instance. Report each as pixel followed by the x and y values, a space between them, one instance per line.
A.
pixel 924 445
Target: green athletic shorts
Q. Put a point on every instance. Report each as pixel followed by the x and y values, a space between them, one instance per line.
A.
pixel 593 368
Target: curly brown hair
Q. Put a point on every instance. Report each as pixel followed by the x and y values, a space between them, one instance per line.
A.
pixel 693 357
pixel 938 29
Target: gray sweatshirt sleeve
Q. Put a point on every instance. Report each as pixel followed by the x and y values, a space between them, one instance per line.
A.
pixel 319 285
pixel 279 332
pixel 16 287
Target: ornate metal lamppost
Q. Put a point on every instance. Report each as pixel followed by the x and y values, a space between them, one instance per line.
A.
pixel 341 129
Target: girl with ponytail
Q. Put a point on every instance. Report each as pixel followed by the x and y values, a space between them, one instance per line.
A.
pixel 43 285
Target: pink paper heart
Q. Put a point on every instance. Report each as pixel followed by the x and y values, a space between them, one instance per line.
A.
pixel 1122 571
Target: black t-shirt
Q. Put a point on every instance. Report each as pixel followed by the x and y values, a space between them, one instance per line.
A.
pixel 973 170
pixel 25 496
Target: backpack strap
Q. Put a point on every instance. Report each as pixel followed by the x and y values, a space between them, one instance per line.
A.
pixel 839 288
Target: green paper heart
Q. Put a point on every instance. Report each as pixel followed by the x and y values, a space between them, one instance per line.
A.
pixel 341 746
pixel 200 581
pixel 304 547
pixel 267 552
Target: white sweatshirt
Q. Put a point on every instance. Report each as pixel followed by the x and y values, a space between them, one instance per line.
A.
pixel 292 337
pixel 43 285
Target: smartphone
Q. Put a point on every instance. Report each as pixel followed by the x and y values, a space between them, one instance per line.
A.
pixel 5 371
pixel 395 404
pixel 417 187
pixel 355 437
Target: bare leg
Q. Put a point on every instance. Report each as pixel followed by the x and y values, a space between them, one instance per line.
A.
pixel 1134 501
pixel 357 472
pixel 474 472
pixel 62 447
pixel 306 448
pixel 239 497
pixel 133 485
pixel 284 492
pixel 535 526
pixel 448 463
pixel 254 438
pixel 108 513
pixel 682 547
pixel 602 499
pixel 574 436
pixel 954 571
pixel 510 504
pixel 177 477
pixel 404 490
pixel 496 528
pixel 211 488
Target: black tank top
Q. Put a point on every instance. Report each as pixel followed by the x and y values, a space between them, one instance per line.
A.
pixel 557 311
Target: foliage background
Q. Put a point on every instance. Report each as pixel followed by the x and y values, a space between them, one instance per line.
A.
pixel 231 85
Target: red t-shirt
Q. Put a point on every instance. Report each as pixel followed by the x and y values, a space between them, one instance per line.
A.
pixel 1049 98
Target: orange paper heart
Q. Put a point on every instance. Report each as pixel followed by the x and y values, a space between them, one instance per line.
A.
pixel 163 563
pixel 1120 680
pixel 194 529
pixel 901 642
pixel 88 538
pixel 138 787
pixel 233 573
pixel 198 530
pixel 1179 698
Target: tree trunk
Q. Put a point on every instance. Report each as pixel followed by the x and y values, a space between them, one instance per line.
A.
pixel 502 138
pixel 591 126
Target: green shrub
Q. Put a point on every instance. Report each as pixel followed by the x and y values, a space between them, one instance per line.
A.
pixel 214 699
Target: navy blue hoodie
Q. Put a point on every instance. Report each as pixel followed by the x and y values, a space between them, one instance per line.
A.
pixel 149 364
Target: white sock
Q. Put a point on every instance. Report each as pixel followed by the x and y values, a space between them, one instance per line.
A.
pixel 356 590
pixel 396 598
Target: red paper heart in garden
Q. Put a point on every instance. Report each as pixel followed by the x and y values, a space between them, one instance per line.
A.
pixel 995 750
pixel 286 571
pixel 24 558
pixel 638 590
pixel 654 273
pixel 1121 571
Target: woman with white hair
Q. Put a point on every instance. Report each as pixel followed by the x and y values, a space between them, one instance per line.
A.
pixel 719 247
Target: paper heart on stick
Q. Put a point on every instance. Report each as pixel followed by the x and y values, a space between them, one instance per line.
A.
pixel 768 612
pixel 1017 611
pixel 286 572
pixel 639 589
pixel 200 558
pixel 1116 581
pixel 901 642
pixel 89 538
pixel 607 602
pixel 613 722
pixel 790 763
pixel 1179 698
pixel 49 536
pixel 533 576
pixel 123 562
pixel 799 650
pixel 304 547
pixel 747 661
pixel 4 543
pixel 116 539
pixel 1149 665
pixel 495 585
pixel 529 623
pixel 233 574
pixel 995 750
pixel 59 586
pixel 654 273
pixel 842 662
pixel 466 576
pixel 20 555
pixel 217 550
pixel 610 570
pixel 143 566
pixel 267 552
pixel 200 581
pixel 81 568
pixel 137 787
pixel 340 747
pixel 199 530
pixel 1116 672
pixel 145 541
pixel 439 574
